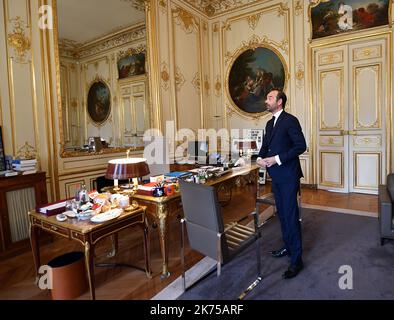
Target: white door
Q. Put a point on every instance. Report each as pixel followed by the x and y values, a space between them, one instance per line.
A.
pixel 350 99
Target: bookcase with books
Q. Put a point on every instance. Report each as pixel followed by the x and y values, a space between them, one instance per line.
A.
pixel 19 195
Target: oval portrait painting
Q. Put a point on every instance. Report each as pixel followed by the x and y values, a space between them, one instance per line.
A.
pixel 99 102
pixel 253 74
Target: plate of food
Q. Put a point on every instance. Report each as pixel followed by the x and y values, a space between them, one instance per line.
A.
pixel 109 215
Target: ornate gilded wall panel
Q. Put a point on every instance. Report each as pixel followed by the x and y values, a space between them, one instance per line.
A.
pixel 331 86
pixel 368 93
pixel 367 52
pixel 330 58
pixel 367 162
pixel 331 169
pixel 186 33
pixel 331 141
pixel 371 141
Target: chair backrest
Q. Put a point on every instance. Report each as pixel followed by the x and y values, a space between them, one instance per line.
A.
pixel 203 218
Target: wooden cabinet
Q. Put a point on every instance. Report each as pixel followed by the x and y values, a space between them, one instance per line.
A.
pixel 19 195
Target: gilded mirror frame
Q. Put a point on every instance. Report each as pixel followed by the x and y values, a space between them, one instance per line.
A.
pixel 66 153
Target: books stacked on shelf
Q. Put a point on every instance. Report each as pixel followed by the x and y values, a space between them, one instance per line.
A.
pixel 25 166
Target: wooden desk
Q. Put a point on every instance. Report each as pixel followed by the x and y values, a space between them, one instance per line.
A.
pixel 164 208
pixel 88 234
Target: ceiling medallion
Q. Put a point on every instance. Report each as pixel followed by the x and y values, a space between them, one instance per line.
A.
pixel 18 40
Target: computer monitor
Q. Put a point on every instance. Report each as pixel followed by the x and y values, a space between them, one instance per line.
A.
pixel 198 151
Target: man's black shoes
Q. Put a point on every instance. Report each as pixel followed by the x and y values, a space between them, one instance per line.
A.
pixel 292 271
pixel 279 253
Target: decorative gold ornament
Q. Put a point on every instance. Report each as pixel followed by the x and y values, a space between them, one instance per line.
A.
pixel 298 8
pixel 253 20
pixel 282 9
pixel 18 40
pixel 27 152
pixel 218 86
pixel 137 4
pixel 130 51
pixel 197 82
pixel 207 86
pixel 165 76
pixel 215 7
pixel 179 79
pixel 185 19
pixel 300 74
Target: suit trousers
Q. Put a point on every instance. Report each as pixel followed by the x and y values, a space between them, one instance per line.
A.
pixel 288 212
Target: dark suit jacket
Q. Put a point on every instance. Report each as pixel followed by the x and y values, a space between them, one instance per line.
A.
pixel 286 140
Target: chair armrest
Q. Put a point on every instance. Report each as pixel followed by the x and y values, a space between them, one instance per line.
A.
pixel 385 211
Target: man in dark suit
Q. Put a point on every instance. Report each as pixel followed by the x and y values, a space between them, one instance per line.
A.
pixel 282 144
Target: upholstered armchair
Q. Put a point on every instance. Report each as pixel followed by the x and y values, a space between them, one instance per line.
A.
pixel 386 218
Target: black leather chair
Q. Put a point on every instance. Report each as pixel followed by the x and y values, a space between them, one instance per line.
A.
pixel 386 216
pixel 208 235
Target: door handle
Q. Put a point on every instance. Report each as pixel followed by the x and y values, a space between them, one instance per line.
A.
pixel 348 133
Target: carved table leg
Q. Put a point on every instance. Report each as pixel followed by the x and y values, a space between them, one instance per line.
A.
pixel 89 254
pixel 114 241
pixel 163 226
pixel 147 250
pixel 35 249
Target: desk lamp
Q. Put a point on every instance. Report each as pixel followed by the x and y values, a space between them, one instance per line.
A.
pixel 126 168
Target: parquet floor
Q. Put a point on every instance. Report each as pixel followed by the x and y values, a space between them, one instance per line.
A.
pixel 17 274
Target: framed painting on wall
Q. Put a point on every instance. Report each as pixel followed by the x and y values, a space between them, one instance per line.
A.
pixel 332 17
pixel 131 64
pixel 99 102
pixel 253 73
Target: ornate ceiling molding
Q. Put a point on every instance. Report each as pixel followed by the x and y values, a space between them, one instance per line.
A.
pixel 137 4
pixel 212 8
pixel 72 49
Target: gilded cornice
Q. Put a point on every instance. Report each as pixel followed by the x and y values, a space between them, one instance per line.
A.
pixel 125 53
pixel 212 8
pixel 72 49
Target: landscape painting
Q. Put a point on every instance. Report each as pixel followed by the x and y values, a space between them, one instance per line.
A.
pixel 332 17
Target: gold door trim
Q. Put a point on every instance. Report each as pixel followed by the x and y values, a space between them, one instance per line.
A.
pixel 327 183
pixel 323 74
pixel 378 174
pixel 376 68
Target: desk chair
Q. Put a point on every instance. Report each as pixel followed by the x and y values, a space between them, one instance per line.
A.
pixel 208 235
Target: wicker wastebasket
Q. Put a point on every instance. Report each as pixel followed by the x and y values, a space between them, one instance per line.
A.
pixel 68 276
